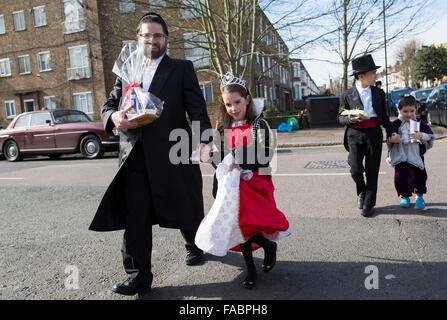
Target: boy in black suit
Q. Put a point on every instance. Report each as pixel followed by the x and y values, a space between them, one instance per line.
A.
pixel 363 136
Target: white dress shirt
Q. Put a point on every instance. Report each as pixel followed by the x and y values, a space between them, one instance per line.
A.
pixel 149 72
pixel 366 97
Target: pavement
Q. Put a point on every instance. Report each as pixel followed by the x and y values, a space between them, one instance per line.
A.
pixel 328 136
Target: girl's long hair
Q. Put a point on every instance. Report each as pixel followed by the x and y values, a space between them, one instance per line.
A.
pixel 250 115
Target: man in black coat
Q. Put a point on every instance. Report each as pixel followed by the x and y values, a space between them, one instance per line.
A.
pixel 363 135
pixel 149 188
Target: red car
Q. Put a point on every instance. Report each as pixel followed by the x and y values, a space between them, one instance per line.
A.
pixel 53 133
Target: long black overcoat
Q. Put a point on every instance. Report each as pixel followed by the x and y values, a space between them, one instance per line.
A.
pixel 175 189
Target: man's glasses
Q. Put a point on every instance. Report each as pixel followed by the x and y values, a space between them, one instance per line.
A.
pixel 154 36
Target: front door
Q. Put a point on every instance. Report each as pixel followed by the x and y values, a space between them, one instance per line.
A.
pixel 28 105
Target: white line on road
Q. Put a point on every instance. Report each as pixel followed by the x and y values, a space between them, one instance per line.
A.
pixel 304 174
pixel 11 178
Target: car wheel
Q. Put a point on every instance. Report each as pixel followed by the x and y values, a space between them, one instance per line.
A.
pixel 12 151
pixel 91 147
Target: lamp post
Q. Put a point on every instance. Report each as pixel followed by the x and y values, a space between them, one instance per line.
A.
pixel 386 56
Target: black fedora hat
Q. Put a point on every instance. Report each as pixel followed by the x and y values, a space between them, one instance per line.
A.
pixel 363 64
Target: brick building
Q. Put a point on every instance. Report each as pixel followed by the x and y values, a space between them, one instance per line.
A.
pixel 302 82
pixel 60 54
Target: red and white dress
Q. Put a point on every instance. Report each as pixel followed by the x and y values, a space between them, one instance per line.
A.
pixel 245 204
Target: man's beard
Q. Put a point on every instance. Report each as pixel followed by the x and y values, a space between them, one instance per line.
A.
pixel 159 52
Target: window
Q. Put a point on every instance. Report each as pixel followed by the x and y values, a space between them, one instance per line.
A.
pixel 40 119
pixel 24 65
pixel 28 105
pixel 44 61
pixel 5 68
pixel 10 109
pixel 191 8
pixel 74 16
pixel 157 3
pixel 2 24
pixel 195 49
pixel 19 20
pixel 207 91
pixel 297 88
pixel 79 66
pixel 83 102
pixel 442 95
pixel 127 6
pixel 49 102
pixel 23 121
pixel 40 17
pixel 296 70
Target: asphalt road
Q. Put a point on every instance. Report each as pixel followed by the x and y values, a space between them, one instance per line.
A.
pixel 47 251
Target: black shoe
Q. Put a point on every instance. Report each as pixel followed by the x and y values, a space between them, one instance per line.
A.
pixel 131 287
pixel 270 257
pixel 367 212
pixel 360 200
pixel 194 257
pixel 250 279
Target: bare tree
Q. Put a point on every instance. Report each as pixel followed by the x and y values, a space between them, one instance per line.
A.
pixel 361 29
pixel 405 58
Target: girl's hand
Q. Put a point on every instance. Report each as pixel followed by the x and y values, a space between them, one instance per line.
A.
pixel 395 138
pixel 205 152
pixel 234 165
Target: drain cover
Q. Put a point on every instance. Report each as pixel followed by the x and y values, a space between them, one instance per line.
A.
pixel 327 164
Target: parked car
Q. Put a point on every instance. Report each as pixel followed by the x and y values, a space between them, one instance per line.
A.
pixel 436 105
pixel 53 133
pixel 397 94
pixel 421 96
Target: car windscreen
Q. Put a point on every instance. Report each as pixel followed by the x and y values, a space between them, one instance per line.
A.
pixel 422 94
pixel 69 116
pixel 398 95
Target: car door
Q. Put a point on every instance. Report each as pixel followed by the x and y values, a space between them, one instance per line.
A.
pixel 442 96
pixel 432 107
pixel 20 130
pixel 40 136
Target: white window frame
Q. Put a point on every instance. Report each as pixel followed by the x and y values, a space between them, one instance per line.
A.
pixel 40 16
pixel 203 85
pixel 49 102
pixel 27 66
pixel 75 21
pixel 5 65
pixel 81 71
pixel 2 24
pixel 11 107
pixel 126 6
pixel 19 27
pixel 39 61
pixel 201 56
pixel 84 95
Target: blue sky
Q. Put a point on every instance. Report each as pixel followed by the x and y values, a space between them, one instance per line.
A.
pixel 436 12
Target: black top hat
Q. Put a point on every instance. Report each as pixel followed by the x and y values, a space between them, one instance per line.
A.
pixel 363 64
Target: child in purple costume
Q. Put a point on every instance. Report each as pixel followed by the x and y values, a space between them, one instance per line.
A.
pixel 407 156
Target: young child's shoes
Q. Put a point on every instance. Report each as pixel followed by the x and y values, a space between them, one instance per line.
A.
pixel 405 203
pixel 419 204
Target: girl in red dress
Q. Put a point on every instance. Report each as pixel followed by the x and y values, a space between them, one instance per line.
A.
pixel 250 140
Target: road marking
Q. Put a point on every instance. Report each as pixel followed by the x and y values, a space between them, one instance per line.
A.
pixel 11 178
pixel 303 174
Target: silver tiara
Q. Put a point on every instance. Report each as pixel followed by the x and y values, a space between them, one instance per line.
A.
pixel 229 78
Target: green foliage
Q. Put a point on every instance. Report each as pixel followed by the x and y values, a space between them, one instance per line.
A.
pixel 271 111
pixel 430 63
